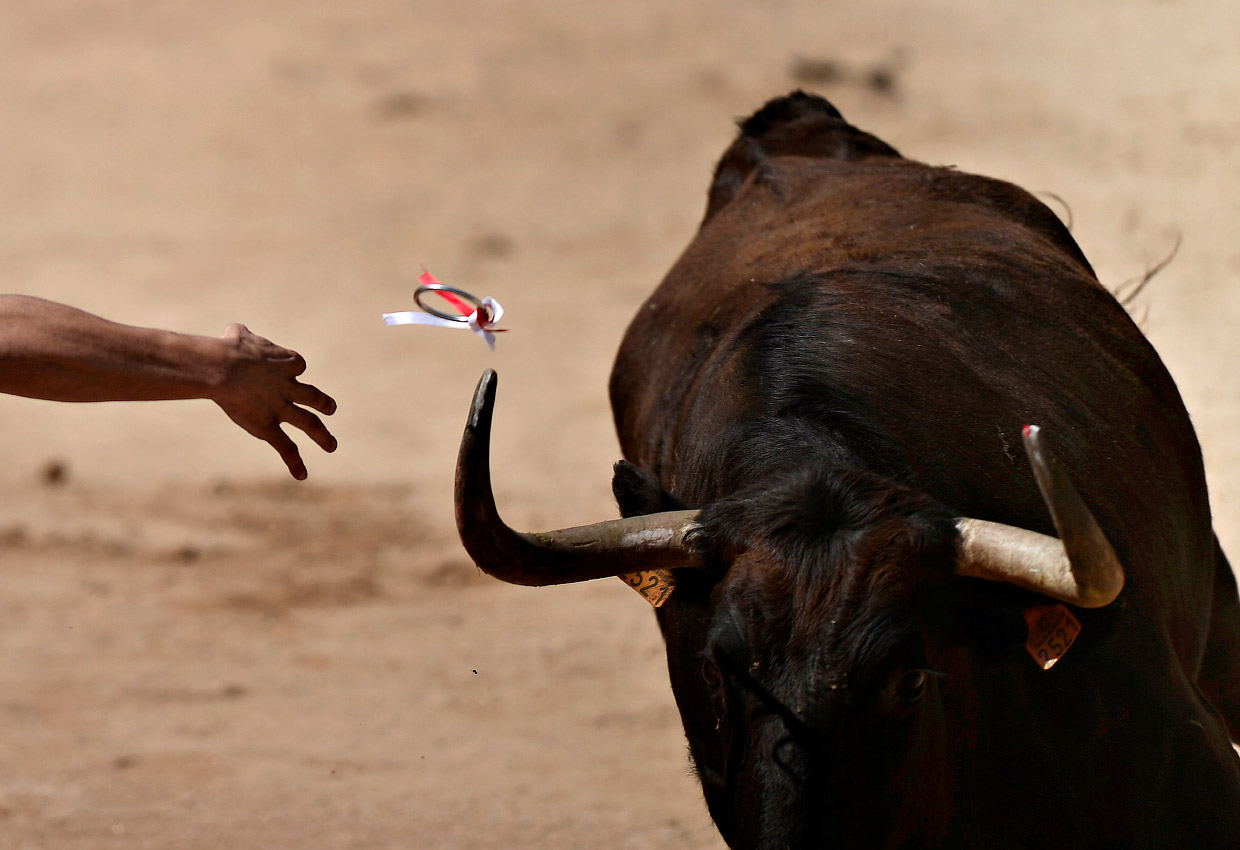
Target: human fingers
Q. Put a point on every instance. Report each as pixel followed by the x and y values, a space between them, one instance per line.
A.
pixel 294 363
pixel 305 420
pixel 287 450
pixel 311 396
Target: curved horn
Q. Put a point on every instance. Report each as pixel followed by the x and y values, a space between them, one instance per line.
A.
pixel 569 555
pixel 1079 568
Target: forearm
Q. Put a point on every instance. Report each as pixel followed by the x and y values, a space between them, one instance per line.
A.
pixel 52 351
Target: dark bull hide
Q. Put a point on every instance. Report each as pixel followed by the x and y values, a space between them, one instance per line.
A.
pixel 820 410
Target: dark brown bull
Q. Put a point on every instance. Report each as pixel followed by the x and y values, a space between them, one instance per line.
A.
pixel 820 410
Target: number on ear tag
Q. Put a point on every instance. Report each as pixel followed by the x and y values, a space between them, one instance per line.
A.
pixel 1052 631
pixel 655 586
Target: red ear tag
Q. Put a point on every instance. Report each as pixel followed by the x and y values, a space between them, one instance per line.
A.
pixel 1052 631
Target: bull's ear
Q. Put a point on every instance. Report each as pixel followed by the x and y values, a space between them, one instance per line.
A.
pixel 638 493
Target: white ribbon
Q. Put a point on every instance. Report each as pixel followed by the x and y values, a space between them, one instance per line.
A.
pixel 417 317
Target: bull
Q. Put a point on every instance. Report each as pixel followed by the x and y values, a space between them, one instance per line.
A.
pixel 887 625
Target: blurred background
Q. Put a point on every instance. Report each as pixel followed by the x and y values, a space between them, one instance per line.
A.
pixel 197 651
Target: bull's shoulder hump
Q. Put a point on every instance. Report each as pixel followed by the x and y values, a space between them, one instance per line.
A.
pixel 799 202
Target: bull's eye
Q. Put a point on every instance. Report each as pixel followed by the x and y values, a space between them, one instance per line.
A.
pixel 711 674
pixel 911 687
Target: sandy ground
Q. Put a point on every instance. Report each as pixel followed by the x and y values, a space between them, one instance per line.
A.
pixel 198 652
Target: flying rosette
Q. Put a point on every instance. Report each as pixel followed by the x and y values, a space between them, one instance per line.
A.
pixel 481 315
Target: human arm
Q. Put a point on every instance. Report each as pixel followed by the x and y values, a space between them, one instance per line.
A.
pixel 56 352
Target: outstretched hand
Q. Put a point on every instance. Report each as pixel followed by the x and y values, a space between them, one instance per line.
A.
pixel 260 391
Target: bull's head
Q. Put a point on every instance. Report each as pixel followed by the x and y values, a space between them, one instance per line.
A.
pixel 803 646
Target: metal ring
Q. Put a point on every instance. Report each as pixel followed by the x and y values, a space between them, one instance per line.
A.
pixel 443 287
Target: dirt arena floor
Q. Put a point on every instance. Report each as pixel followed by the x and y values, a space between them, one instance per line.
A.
pixel 198 652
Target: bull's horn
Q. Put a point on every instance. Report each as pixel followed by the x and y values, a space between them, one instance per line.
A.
pixel 611 548
pixel 1079 568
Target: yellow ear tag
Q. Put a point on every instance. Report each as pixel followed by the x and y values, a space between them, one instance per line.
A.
pixel 653 585
pixel 1052 631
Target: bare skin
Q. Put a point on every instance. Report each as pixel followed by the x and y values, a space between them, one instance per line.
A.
pixel 55 352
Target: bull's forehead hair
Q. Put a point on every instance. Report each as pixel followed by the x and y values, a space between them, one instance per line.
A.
pixel 822 544
pixel 802 511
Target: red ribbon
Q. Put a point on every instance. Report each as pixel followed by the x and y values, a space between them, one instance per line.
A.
pixel 462 307
pixel 428 279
